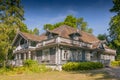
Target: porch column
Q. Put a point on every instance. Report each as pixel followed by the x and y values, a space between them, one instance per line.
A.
pixel 29 55
pixel 19 56
pixel 56 56
pixel 35 57
pixel 24 56
pixel 57 59
pixel 15 56
pixel 59 56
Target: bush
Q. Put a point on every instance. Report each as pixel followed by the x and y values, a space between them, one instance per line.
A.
pixel 29 67
pixel 33 66
pixel 29 63
pixel 115 63
pixel 74 66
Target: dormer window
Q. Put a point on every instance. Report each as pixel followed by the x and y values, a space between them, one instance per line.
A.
pixel 51 35
pixel 75 36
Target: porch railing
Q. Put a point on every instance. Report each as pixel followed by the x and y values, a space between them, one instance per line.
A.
pixel 65 41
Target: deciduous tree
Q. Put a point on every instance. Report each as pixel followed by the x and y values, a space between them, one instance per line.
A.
pixel 11 18
pixel 114 29
pixel 72 21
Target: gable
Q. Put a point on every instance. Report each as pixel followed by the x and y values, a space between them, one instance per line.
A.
pixel 17 39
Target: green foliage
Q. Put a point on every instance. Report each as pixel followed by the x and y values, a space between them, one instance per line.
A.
pixel 35 31
pixel 33 66
pixel 90 30
pixel 115 63
pixel 72 21
pixel 101 36
pixel 48 27
pixel 11 19
pixel 114 29
pixel 30 66
pixel 118 57
pixel 29 63
pixel 74 66
pixel 116 7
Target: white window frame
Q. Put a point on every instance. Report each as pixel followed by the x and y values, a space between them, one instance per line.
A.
pixel 64 54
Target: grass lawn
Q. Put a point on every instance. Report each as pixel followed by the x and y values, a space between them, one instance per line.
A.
pixel 56 75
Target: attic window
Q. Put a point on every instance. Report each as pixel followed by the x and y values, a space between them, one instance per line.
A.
pixel 50 35
pixel 23 41
pixel 75 36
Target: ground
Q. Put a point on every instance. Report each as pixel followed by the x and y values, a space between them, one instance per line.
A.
pixel 102 74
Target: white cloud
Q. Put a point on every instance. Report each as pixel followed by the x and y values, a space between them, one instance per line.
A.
pixel 73 12
pixel 62 16
pixel 57 19
pixel 39 22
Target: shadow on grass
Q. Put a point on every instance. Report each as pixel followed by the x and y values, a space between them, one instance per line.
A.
pixel 104 74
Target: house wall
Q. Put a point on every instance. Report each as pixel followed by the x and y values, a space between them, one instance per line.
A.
pixel 107 57
pixel 74 55
pixel 48 58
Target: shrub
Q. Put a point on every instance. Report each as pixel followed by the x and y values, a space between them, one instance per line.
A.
pixel 29 67
pixel 29 63
pixel 33 66
pixel 115 63
pixel 73 66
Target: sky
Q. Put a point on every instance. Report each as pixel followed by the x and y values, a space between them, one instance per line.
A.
pixel 95 12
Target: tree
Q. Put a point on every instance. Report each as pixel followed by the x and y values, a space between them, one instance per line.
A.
pixel 36 31
pixel 4 43
pixel 90 30
pixel 11 18
pixel 12 15
pixel 72 21
pixel 101 36
pixel 114 29
pixel 48 26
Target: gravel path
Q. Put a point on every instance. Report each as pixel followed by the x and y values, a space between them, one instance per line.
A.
pixel 113 71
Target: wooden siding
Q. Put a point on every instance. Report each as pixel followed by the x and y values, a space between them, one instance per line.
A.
pixel 39 55
pixel 52 55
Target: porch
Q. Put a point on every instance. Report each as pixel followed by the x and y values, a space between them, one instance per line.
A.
pixel 23 55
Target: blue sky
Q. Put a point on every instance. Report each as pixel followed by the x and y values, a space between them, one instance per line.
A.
pixel 95 13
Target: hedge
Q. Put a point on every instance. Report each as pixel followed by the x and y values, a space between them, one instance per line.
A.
pixel 74 66
pixel 115 63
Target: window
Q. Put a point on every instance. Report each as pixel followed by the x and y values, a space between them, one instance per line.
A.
pixel 38 53
pixel 64 55
pixel 50 35
pixel 46 55
pixel 33 43
pixel 22 56
pixel 79 55
pixel 76 37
